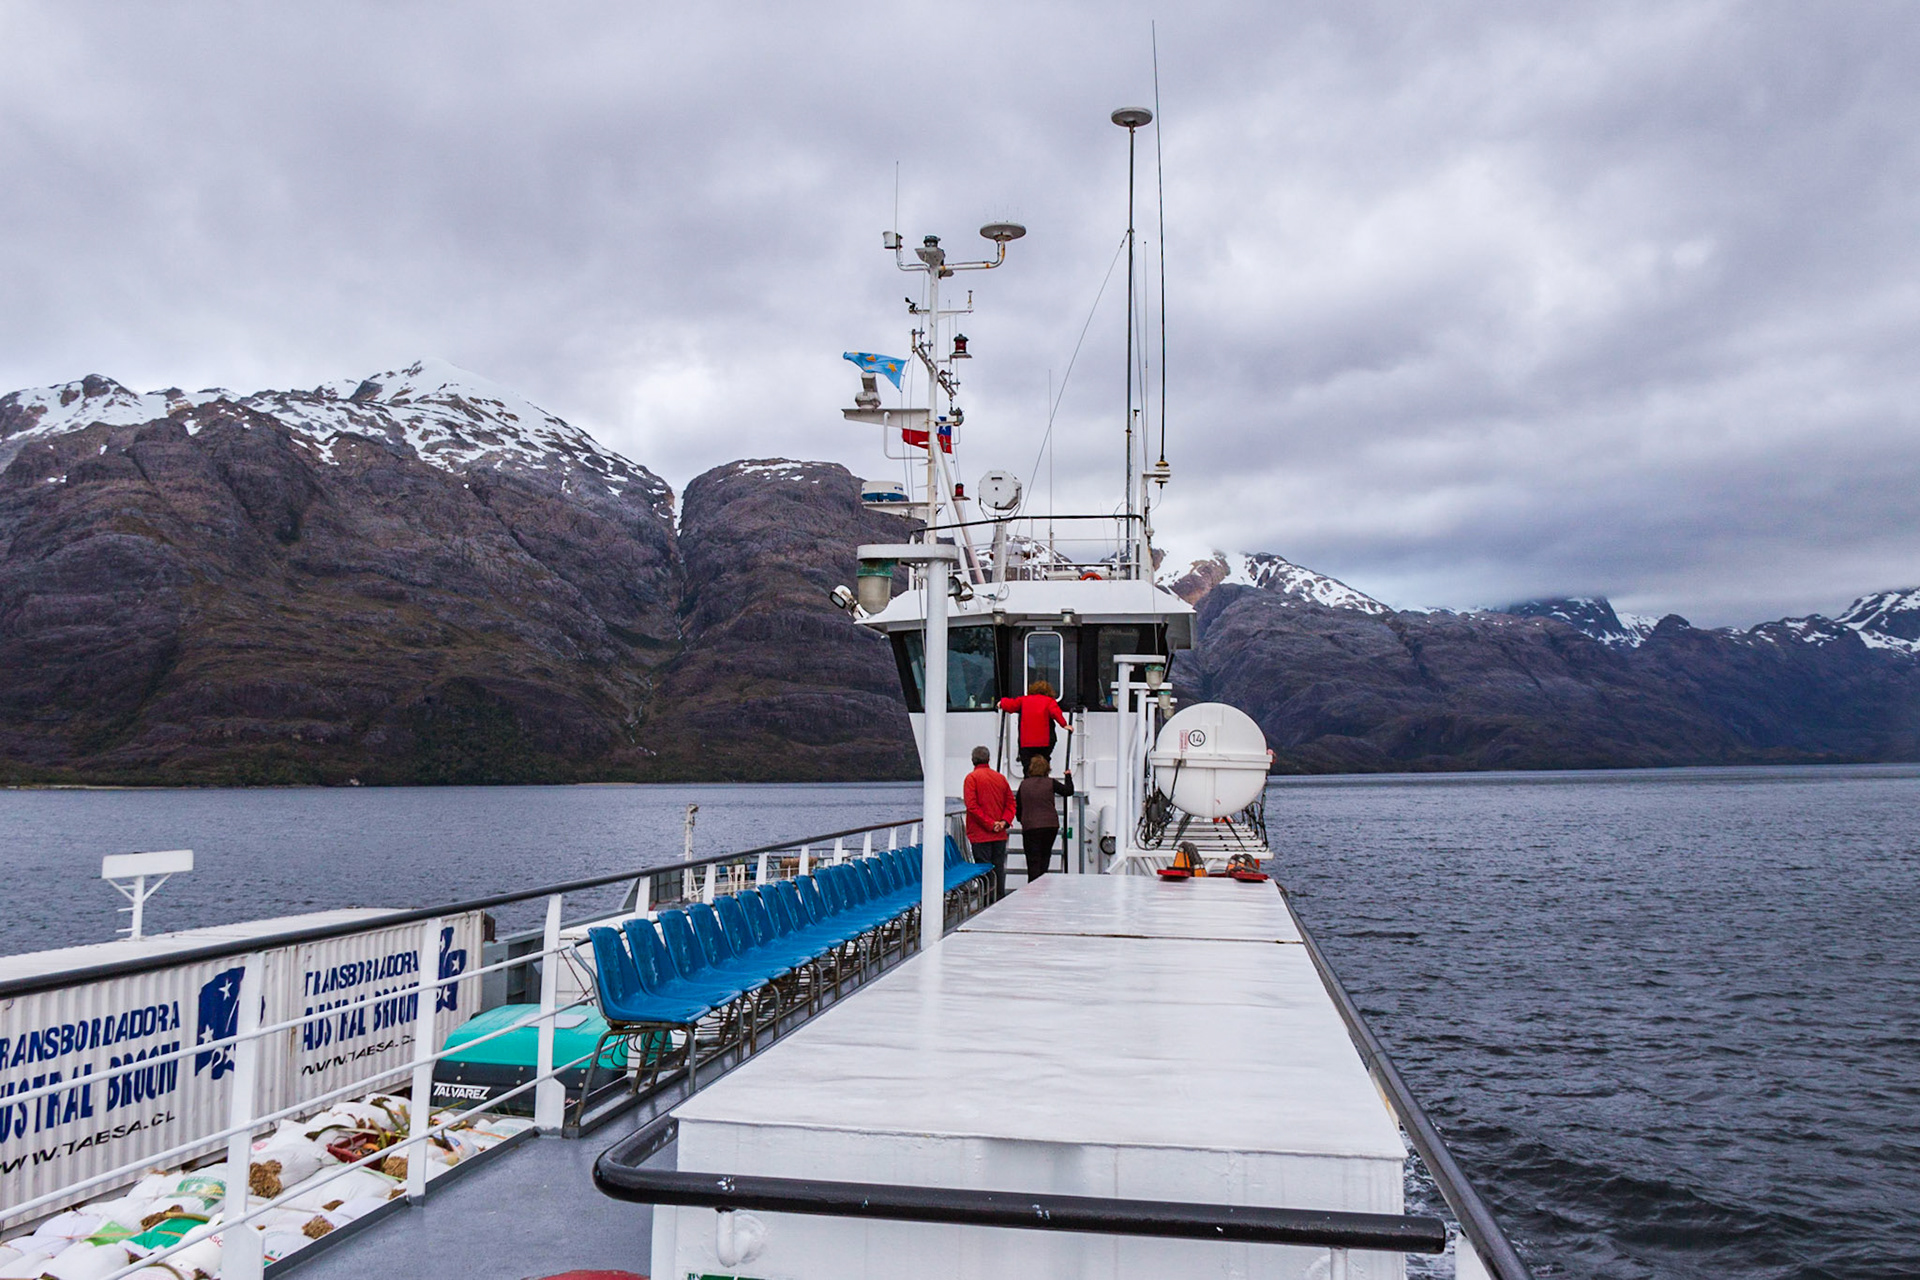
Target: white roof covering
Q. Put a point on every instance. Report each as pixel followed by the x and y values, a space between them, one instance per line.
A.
pixel 1090 601
pixel 1096 1011
pixel 33 964
pixel 1142 907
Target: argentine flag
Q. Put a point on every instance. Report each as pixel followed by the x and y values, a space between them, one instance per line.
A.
pixel 870 363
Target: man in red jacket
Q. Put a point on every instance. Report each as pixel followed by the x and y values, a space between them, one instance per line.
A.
pixel 1038 714
pixel 989 814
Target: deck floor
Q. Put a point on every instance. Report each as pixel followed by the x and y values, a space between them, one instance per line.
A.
pixel 532 1212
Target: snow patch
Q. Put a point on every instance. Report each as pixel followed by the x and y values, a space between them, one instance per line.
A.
pixel 447 417
pixel 1591 616
pixel 1269 572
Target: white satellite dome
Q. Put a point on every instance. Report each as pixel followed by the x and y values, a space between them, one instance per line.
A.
pixel 1210 760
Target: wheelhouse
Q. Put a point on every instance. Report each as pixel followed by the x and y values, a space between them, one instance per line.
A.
pixel 988 660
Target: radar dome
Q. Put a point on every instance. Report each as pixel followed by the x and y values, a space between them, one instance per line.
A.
pixel 1210 760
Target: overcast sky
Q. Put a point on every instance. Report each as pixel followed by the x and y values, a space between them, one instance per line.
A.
pixel 1467 302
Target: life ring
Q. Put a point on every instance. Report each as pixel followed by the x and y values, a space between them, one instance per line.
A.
pixel 1091 576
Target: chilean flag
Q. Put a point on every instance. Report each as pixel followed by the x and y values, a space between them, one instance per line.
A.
pixel 918 439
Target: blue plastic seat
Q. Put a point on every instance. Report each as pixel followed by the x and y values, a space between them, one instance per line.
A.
pixel 734 923
pixel 624 997
pixel 808 891
pixel 690 957
pixel 659 973
pixel 759 918
pixel 783 949
pixel 721 956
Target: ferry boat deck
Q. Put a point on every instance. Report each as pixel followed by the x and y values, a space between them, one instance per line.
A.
pixel 1110 1036
pixel 1113 1036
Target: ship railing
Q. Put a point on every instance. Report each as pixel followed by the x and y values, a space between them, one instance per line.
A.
pixel 1040 548
pixel 1482 1231
pixel 241 1258
pixel 622 1172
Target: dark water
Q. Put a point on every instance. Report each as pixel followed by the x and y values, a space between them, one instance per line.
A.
pixel 1670 1022
pixel 276 852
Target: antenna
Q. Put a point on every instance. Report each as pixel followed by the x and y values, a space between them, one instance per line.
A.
pixel 1160 182
pixel 1131 119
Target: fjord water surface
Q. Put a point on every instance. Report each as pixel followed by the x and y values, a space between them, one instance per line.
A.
pixel 1669 1021
pixel 277 851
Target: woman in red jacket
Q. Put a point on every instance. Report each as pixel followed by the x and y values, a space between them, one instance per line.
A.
pixel 1039 713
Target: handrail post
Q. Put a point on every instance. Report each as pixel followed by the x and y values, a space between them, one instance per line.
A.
pixel 806 861
pixel 866 845
pixel 240 1256
pixel 420 1106
pixel 760 871
pixel 706 889
pixel 549 1096
pixel 839 850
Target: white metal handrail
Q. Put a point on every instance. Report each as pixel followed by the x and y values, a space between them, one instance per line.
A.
pixel 209 1046
pixel 240 1256
pixel 255 1123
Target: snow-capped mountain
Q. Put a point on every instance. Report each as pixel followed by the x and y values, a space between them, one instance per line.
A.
pixel 1884 620
pixel 448 417
pixel 1885 616
pixel 1592 615
pixel 1268 572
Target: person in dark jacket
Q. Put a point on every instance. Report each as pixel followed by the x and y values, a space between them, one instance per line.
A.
pixel 1039 819
pixel 1038 713
pixel 989 813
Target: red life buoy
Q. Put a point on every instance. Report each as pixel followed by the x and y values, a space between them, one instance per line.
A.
pixel 1090 575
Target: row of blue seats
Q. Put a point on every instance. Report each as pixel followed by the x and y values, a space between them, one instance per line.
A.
pixel 705 958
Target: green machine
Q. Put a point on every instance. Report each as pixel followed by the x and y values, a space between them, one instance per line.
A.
pixel 466 1077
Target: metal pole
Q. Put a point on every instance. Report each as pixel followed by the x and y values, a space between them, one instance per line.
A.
pixel 240 1255
pixel 1123 815
pixel 933 794
pixel 139 903
pixel 549 1096
pixel 420 1108
pixel 1131 549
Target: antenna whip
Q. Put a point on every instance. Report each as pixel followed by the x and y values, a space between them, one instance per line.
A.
pixel 1160 181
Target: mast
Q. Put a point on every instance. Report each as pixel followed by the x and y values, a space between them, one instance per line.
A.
pixel 1132 119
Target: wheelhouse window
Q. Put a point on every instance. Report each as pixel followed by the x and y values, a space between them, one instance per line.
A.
pixel 1099 650
pixel 1046 660
pixel 973 684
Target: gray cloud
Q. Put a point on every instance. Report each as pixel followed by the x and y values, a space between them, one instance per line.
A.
pixel 1469 302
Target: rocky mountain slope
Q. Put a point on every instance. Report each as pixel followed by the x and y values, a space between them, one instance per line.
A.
pixel 772 679
pixel 1590 615
pixel 410 577
pixel 420 577
pixel 1563 683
